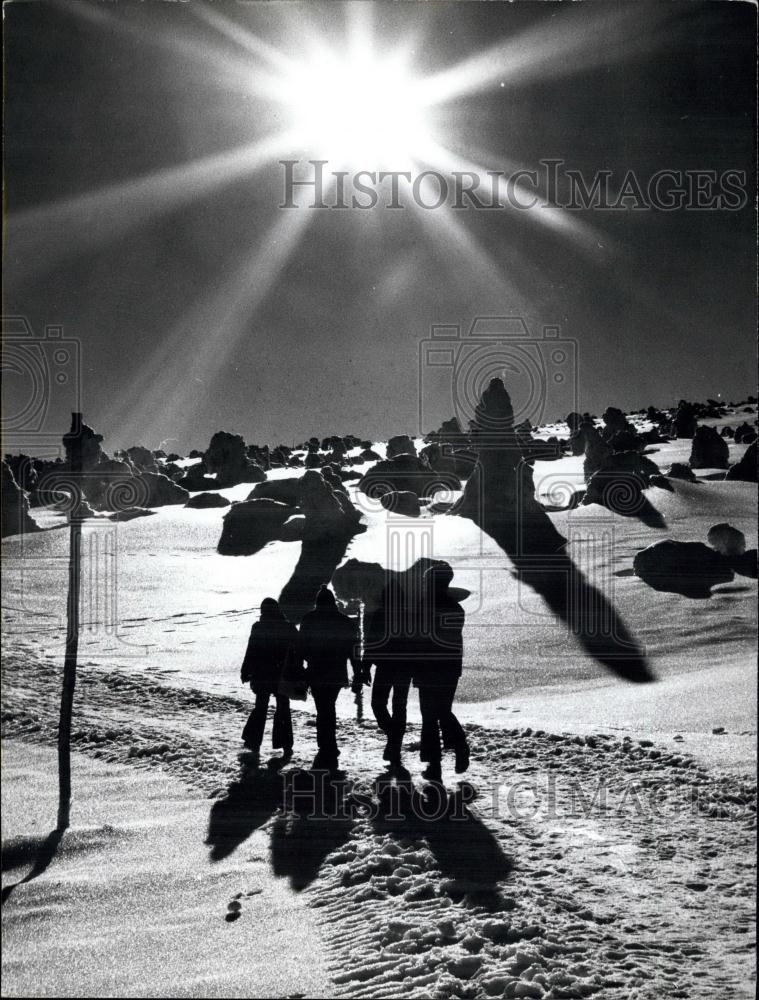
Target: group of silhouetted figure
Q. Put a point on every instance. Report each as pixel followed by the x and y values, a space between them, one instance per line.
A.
pixel 408 641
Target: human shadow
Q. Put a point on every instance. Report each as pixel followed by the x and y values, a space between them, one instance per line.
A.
pixel 249 803
pixel 317 562
pixel 39 850
pixel 466 852
pixel 313 824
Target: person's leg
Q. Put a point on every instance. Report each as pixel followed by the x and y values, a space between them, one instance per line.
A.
pixel 398 729
pixel 325 699
pixel 454 737
pixel 253 733
pixel 380 698
pixel 429 750
pixel 282 735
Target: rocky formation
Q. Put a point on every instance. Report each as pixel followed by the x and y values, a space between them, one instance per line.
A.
pixel 141 459
pixel 597 451
pixel 500 494
pixel 227 458
pixel 744 434
pixel 679 471
pixel 328 513
pixel 709 450
pixel 250 524
pixel 161 491
pixel 286 491
pixel 401 444
pixel 689 568
pixel 684 421
pixel 615 422
pixel 130 513
pixel 746 469
pixel 293 529
pixel 727 432
pixel 370 455
pixel 406 473
pixel 405 503
pixel 726 540
pixel 619 482
pixel 201 501
pixel 16 519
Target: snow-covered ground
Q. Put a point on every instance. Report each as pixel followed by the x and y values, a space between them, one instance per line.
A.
pixel 523 895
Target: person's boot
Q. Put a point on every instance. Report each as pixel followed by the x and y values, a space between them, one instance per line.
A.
pixel 462 759
pixel 433 771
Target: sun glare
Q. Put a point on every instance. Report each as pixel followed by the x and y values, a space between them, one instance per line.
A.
pixel 359 110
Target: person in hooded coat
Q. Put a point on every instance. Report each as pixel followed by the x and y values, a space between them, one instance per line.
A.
pixel 272 639
pixel 437 665
pixel 385 646
pixel 328 642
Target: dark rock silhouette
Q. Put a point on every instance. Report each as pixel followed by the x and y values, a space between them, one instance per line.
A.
pixel 500 494
pixel 500 498
pixel 688 568
pixel 251 524
pixel 203 500
pixel 726 539
pixel 684 422
pixel 227 458
pixel 16 519
pixel 285 491
pixel 615 422
pixel 141 458
pixel 370 455
pixel 328 513
pixel 161 491
pixel 746 469
pixel 406 473
pixel 404 502
pixel 597 451
pixel 619 482
pixel 196 478
pixel 679 471
pixel 130 513
pixel 744 434
pixel 401 444
pixel 709 450
pixel 728 432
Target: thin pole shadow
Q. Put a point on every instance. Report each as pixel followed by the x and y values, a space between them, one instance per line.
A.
pixel 17 852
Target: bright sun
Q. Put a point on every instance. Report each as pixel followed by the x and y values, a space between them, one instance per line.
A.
pixel 358 110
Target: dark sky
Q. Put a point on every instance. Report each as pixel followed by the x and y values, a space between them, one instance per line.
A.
pixel 189 316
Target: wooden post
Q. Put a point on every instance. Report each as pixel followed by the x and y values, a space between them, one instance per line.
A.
pixel 73 444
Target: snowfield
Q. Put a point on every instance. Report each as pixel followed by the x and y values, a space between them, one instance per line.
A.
pixel 601 844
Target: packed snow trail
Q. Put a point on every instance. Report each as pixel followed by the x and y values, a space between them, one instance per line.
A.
pixel 562 866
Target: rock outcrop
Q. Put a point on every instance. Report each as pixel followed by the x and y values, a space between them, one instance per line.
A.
pixel 500 493
pixel 726 540
pixel 709 450
pixel 202 501
pixel 16 519
pixel 141 458
pixel 689 568
pixel 406 473
pixel 746 469
pixel 227 458
pixel 405 502
pixel 680 471
pixel 401 444
pixel 250 524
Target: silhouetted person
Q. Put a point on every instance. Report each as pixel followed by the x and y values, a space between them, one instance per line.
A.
pixel 272 637
pixel 328 641
pixel 385 645
pixel 438 655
